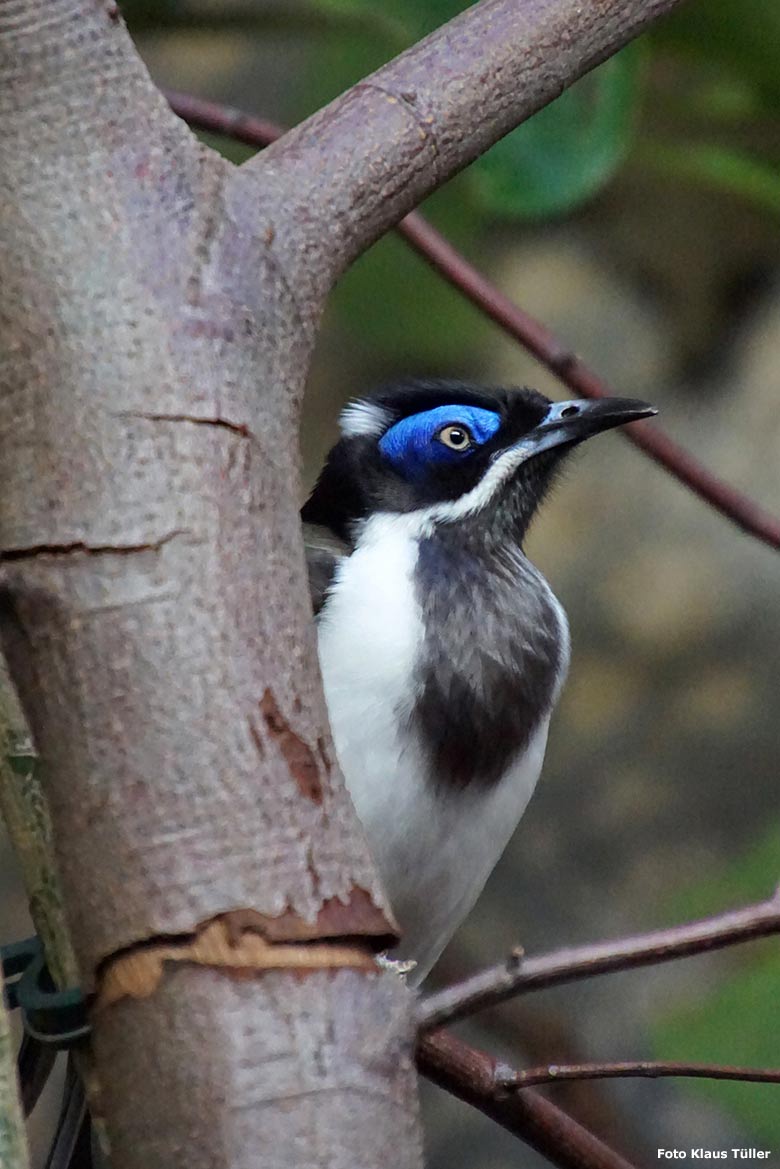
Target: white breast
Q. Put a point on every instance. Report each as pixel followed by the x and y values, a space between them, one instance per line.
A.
pixel 435 848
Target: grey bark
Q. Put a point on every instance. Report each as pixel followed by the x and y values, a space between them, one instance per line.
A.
pixel 158 313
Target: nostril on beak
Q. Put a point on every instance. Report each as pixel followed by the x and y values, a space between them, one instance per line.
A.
pixel 570 411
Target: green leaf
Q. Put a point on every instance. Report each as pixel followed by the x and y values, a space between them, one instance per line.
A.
pixel 734 1021
pixel 749 877
pixel 743 36
pixel 569 150
pixel 430 14
pixel 557 159
pixel 723 99
pixel 392 294
pixel 439 328
pixel 737 1024
pixel 416 17
pixel 336 62
pixel 719 167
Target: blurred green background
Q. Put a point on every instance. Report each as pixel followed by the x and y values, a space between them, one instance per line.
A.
pixel 639 217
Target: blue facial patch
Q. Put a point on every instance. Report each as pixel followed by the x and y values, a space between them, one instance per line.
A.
pixel 412 446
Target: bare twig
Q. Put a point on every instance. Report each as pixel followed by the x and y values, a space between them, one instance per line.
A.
pixel 650 1069
pixel 222 119
pixel 745 512
pixel 515 977
pixel 479 1080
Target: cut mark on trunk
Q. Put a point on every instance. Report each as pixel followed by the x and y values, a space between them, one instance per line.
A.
pixel 80 546
pixel 238 428
pixel 235 948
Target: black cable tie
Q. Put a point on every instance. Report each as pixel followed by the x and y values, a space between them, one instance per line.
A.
pixel 57 1018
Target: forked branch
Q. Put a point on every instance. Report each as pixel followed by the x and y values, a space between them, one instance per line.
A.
pixel 478 1079
pixel 505 1095
pixel 359 165
pixel 535 337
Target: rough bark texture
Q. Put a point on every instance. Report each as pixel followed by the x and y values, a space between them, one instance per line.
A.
pixel 328 1053
pixel 145 503
pixel 158 313
pixel 366 159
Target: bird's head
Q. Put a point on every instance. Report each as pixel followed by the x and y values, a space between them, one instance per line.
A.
pixel 455 451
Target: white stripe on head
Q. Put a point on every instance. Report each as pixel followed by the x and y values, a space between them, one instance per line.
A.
pixel 419 524
pixel 363 417
pixel 498 473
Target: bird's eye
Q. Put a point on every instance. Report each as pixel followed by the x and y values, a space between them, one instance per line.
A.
pixel 457 438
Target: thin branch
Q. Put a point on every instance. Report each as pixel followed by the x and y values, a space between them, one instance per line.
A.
pixel 531 334
pixel 222 119
pixel 479 1080
pixel 360 164
pixel 518 975
pixel 650 1069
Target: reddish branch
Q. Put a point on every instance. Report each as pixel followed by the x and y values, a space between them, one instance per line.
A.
pixel 649 1069
pixel 535 337
pixel 480 1080
pixel 492 1087
pixel 226 121
pixel 518 975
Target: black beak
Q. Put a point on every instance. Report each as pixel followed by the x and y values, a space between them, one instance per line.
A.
pixel 570 422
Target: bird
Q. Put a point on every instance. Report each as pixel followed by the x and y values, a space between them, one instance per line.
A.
pixel 442 649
